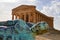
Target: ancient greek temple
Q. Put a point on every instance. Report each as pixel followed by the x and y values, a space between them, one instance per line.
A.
pixel 29 14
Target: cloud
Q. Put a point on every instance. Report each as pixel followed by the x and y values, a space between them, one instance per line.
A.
pixel 32 0
pixel 11 1
pixel 6 8
pixel 5 12
pixel 57 23
pixel 51 8
pixel 54 11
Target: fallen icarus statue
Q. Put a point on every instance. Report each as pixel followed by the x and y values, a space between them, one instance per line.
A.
pixel 20 30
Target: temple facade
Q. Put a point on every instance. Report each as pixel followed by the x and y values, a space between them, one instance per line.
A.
pixel 29 14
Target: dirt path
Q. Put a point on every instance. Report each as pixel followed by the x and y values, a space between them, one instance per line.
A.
pixel 51 35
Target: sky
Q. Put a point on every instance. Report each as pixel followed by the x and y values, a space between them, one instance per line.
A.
pixel 48 7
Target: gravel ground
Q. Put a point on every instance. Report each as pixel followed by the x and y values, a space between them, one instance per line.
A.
pixel 51 35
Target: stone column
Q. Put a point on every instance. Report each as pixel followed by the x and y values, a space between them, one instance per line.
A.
pixel 24 16
pixel 29 17
pixel 15 17
pixel 12 16
pixel 20 16
pixel 40 18
pixel 34 17
pixel 37 17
